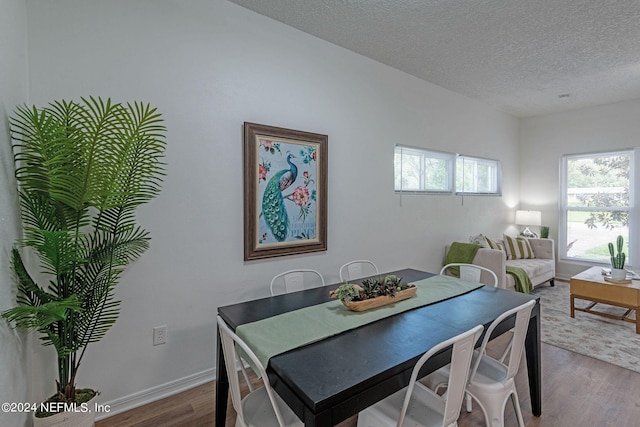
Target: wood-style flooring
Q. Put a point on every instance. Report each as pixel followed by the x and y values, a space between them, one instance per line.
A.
pixel 577 391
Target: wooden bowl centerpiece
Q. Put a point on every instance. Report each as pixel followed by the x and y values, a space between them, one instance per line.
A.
pixel 374 292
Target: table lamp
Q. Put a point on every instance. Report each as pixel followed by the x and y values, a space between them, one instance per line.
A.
pixel 529 218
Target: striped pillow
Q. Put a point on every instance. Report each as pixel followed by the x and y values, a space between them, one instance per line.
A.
pixel 517 247
pixel 493 244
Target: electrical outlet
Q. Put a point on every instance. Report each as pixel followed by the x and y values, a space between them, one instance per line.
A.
pixel 160 335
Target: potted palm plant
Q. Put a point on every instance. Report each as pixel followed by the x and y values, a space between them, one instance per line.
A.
pixel 82 170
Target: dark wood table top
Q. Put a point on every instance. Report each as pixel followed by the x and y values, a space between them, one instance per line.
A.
pixel 330 380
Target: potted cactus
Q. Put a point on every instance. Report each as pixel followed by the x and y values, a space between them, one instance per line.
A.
pixel 617 260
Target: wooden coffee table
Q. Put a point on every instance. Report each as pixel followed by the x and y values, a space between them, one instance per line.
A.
pixel 591 286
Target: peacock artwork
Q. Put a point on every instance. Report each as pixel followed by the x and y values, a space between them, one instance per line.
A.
pixel 285 191
pixel 287 173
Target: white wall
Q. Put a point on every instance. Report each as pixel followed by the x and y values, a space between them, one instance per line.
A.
pixel 13 91
pixel 545 139
pixel 209 66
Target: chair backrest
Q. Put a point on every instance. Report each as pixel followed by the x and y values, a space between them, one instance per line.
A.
pixel 462 352
pixel 522 313
pixel 295 280
pixel 229 342
pixel 357 269
pixel 472 273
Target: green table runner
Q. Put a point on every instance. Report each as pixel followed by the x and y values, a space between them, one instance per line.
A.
pixel 278 334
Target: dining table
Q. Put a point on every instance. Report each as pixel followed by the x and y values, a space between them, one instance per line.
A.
pixel 331 379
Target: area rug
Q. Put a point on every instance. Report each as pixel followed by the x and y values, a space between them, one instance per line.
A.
pixel 613 341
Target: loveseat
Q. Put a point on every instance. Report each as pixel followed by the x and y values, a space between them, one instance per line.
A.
pixel 541 269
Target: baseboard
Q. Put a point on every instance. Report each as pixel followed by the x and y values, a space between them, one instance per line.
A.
pixel 152 394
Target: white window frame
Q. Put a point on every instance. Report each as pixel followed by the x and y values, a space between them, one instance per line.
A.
pixel 452 177
pixel 634 214
pixel 496 177
pixel 424 155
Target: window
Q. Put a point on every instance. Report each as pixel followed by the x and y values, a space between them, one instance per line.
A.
pixel 478 176
pixel 597 203
pixel 425 171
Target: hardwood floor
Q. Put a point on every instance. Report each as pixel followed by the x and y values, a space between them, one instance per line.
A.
pixel 577 390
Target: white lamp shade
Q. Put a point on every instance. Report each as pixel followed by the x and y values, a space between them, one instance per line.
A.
pixel 529 218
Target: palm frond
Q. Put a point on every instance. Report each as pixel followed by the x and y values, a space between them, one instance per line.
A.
pixel 120 248
pixel 136 165
pixel 40 212
pixel 48 159
pixel 59 251
pixel 41 317
pixel 29 293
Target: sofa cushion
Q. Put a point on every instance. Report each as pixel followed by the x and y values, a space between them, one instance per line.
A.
pixel 517 247
pixel 533 267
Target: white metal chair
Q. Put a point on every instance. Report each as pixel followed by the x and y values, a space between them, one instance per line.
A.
pixel 491 382
pixel 262 407
pixel 416 405
pixel 295 280
pixel 357 269
pixel 472 273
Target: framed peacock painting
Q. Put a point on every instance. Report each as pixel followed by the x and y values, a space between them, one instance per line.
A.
pixel 285 191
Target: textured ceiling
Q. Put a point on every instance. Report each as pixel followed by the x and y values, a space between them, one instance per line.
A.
pixel 524 57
